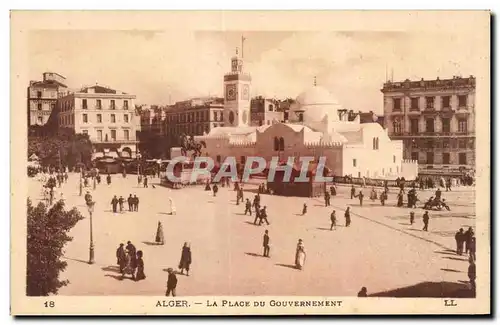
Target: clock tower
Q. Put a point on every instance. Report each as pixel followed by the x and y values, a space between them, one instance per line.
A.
pixel 237 94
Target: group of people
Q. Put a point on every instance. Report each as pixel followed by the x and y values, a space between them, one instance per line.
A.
pixel 130 261
pixel 133 203
pixel 468 239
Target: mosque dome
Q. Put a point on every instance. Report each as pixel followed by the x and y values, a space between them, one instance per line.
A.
pixel 315 103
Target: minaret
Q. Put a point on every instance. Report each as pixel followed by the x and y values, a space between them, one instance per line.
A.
pixel 237 94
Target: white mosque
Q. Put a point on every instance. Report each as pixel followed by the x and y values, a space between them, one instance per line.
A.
pixel 315 128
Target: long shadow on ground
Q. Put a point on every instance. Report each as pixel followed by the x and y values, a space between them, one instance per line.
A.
pixel 430 290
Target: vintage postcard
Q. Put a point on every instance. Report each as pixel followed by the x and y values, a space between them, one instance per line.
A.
pixel 250 163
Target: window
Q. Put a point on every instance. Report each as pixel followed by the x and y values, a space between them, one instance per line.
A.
pixel 282 144
pixel 446 101
pixel 462 101
pixel 462 143
pixel 86 132
pixel 125 104
pixel 40 120
pixel 394 159
pixel 98 104
pixel 375 143
pixel 39 94
pixel 270 108
pixel 85 118
pixel 113 118
pixel 99 135
pixel 446 125
pixel 429 102
pixel 301 117
pixel 52 106
pixel 125 118
pixel 260 122
pixel 430 158
pixel 397 126
pixel 113 135
pixel 462 158
pixel 215 116
pixel 396 104
pixel 414 144
pixel 446 158
pixel 354 163
pixel 126 134
pixel 414 104
pixel 414 156
pixel 414 126
pixel 39 106
pixel 221 116
pixel 112 104
pixel 446 143
pixel 462 125
pixel 276 144
pixel 84 103
pixel 429 125
pixel 99 118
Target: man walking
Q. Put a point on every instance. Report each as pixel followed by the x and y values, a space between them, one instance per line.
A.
pixel 333 219
pixel 426 221
pixel 263 216
pixel 130 202
pixel 171 283
pixel 136 203
pixel 459 239
pixel 248 207
pixel 347 216
pixel 471 272
pixel 265 243
pixel 114 203
pixel 353 192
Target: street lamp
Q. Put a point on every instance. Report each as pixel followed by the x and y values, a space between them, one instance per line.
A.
pixel 138 157
pixel 90 206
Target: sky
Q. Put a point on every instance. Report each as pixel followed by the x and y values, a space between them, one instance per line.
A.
pixel 167 66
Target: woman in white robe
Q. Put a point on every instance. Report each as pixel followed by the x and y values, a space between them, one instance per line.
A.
pixel 300 255
pixel 173 210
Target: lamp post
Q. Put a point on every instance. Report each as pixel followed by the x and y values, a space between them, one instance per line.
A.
pixel 138 158
pixel 90 206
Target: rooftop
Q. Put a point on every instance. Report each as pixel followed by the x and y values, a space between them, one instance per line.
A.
pixel 455 82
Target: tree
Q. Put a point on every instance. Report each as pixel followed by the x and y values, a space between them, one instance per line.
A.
pixel 47 235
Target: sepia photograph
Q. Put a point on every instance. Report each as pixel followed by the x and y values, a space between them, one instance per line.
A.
pixel 240 165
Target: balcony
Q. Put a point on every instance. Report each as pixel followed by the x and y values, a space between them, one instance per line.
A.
pixel 431 134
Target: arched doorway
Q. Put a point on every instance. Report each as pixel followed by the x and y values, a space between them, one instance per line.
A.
pixel 126 152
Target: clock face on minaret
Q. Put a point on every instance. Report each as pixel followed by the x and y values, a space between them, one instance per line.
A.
pixel 231 92
pixel 245 92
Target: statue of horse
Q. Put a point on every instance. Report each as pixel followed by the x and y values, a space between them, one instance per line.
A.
pixel 190 144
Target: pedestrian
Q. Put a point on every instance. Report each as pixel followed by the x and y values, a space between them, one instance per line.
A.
pixel 425 218
pixel 363 293
pixel 136 203
pixel 145 181
pixel 257 215
pixel 333 219
pixel 98 177
pixel 304 209
pixel 108 179
pixel 468 236
pixel 459 239
pixel 173 210
pixel 383 197
pixel 448 184
pixel 132 254
pixel 159 238
pixel 139 180
pixel 140 267
pixel 327 199
pixel 121 258
pixel 412 217
pixel 207 186
pixel 472 248
pixel 121 200
pixel 88 198
pixel 215 189
pixel 248 207
pixel 185 261
pixel 333 190
pixel 265 244
pixel 471 272
pixel 130 201
pixel 263 216
pixel 347 216
pixel 353 192
pixel 360 197
pixel 171 283
pixel 114 203
pixel 300 255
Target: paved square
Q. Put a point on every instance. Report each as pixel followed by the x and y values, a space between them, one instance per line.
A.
pixel 380 250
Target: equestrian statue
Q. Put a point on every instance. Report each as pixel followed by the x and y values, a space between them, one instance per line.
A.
pixel 188 143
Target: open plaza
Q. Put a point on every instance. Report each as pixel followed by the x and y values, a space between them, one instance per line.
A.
pixel 380 250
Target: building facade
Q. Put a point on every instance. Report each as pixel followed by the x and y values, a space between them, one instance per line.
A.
pixel 106 115
pixel 265 111
pixel 435 119
pixel 193 117
pixel 42 97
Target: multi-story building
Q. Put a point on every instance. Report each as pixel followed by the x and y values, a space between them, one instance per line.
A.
pixel 435 119
pixel 193 117
pixel 153 119
pixel 106 115
pixel 42 97
pixel 265 111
